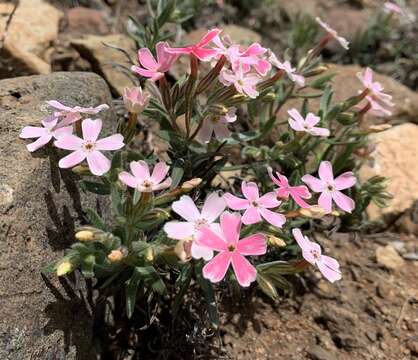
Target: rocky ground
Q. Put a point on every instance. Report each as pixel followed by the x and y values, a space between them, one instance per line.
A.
pixel 371 314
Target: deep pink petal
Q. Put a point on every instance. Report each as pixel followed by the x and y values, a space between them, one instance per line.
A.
pixel 147 60
pixel 186 208
pixel 343 201
pixel 216 269
pixel 251 216
pixel 269 200
pixel 91 129
pixel 29 132
pixel 180 50
pixel 252 245
pixel 140 169
pixel 69 142
pixel 325 201
pixel 179 229
pixel 72 159
pixel 272 217
pixel 144 72
pixel 128 179
pixel 43 140
pixel 207 237
pixel 314 183
pixel 159 172
pixel 204 54
pixel 210 35
pixel 236 203
pixel 213 207
pixel 250 191
pixel 345 181
pixel 325 171
pixel 98 163
pixel 244 271
pixel 113 142
pixel 231 227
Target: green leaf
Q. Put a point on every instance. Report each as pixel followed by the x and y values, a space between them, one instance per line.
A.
pixel 95 187
pixel 267 286
pixel 131 289
pixel 209 295
pixel 183 282
pixel 152 279
pixel 166 13
pixel 176 176
pixel 95 219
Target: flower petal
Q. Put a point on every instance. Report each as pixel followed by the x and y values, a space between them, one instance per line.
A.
pixel 128 179
pixel 113 142
pixel 325 171
pixel 29 132
pixel 140 169
pixel 312 119
pixel 69 142
pixel 210 35
pixel 343 201
pixel 207 237
pixel 272 217
pixel 345 181
pixel 251 216
pixel 325 201
pixel 206 131
pixel 43 140
pixel 317 131
pixel 231 227
pixel 314 183
pixel 163 185
pixel 236 203
pixel 62 131
pixel 159 172
pixel 201 252
pixel 186 208
pixel 252 245
pixel 216 269
pixel 329 267
pixel 269 200
pixel 91 129
pixel 179 229
pixel 213 207
pixel 72 159
pixel 244 271
pixel 250 190
pixel 98 163
pixel 146 59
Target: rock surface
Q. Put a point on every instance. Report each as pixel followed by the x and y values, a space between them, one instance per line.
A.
pixel 39 208
pixel 26 35
pixel 389 258
pixel 394 157
pixel 103 58
pixel 82 20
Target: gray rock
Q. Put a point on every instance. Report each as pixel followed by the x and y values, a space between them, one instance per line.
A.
pixel 39 209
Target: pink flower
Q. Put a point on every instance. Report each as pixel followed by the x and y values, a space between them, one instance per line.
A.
pixel 330 187
pixel 141 178
pixel 342 41
pixel 256 207
pixel 217 124
pixel 89 147
pixel 376 93
pixel 231 250
pixel 212 208
pixel 244 83
pixel 287 68
pixel 298 123
pixel 298 193
pixel 135 99
pixel 151 68
pixel 390 7
pixel 376 108
pixel 72 114
pixel 311 252
pixel 199 49
pixel 45 133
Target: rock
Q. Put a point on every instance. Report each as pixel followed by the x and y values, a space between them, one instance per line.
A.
pixel 82 20
pixel 39 208
pixel 388 257
pixel 318 353
pixel 394 157
pixel 27 33
pixel 295 7
pixel 413 347
pixel 103 58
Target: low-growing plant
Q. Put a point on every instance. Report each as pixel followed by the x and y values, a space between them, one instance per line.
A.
pixel 173 224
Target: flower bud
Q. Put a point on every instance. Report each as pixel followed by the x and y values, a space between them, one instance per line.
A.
pixel 81 170
pixel 183 249
pixel 135 100
pixel 276 242
pixel 191 184
pixel 84 235
pixel 149 255
pixel 115 256
pixel 269 97
pixel 316 71
pixel 378 128
pixel 64 268
pixel 218 109
pixel 314 212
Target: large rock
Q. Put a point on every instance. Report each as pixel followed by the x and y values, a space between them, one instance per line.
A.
pixel 26 34
pixel 394 157
pixel 39 207
pixel 104 58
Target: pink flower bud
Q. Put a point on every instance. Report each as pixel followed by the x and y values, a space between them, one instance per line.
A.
pixel 135 99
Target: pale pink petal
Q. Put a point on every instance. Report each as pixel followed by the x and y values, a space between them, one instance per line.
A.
pixel 303 242
pixel 221 131
pixel 57 105
pixel 201 252
pixel 29 132
pixel 315 184
pixel 91 129
pixel 69 142
pixel 244 271
pixel 312 119
pixel 345 181
pixel 295 115
pixel 269 200
pixel 140 169
pixel 298 79
pixel 146 59
pixel 43 140
pixel 308 253
pixel 251 216
pixel 327 268
pixel 325 201
pixel 250 190
pixel 216 269
pixel 231 227
pixel 113 142
pixel 163 185
pixel 98 163
pixel 250 91
pixel 252 245
pixel 343 201
pixel 72 159
pixel 186 208
pixel 272 217
pixel 163 57
pixel 296 126
pixel 207 237
pixel 179 229
pixel 62 131
pixel 160 172
pixel 236 203
pixel 213 207
pixel 325 171
pixel 206 131
pixel 128 179
pixel 317 131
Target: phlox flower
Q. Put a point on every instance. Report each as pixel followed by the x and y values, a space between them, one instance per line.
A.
pixel 154 68
pixel 218 125
pixel 213 207
pixel 311 252
pixel 330 187
pixel 376 94
pixel 45 133
pixel 231 250
pixel 342 41
pixel 390 7
pixel 89 147
pixel 297 193
pixel 135 99
pixel 71 114
pixel 245 83
pixel 142 180
pixel 256 207
pixel 288 69
pixel 298 123
pixel 199 50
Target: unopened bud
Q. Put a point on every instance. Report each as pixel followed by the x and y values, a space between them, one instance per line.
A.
pixel 149 255
pixel 218 109
pixel 81 170
pixel 335 213
pixel 316 71
pixel 236 99
pixel 314 212
pixel 115 256
pixel 276 242
pixel 183 250
pixel 346 118
pixel 378 128
pixel 84 235
pixel 269 97
pixel 64 268
pixel 191 184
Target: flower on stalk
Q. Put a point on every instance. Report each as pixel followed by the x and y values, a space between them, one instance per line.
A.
pixel 135 99
pixel 199 50
pixel 89 147
pixel 311 252
pixel 72 114
pixel 288 69
pixel 297 193
pixel 245 83
pixel 256 207
pixel 298 123
pixel 141 179
pixel 342 41
pixel 154 68
pixel 390 7
pixel 213 207
pixel 330 187
pixel 217 124
pixel 231 250
pixel 44 134
pixel 377 98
